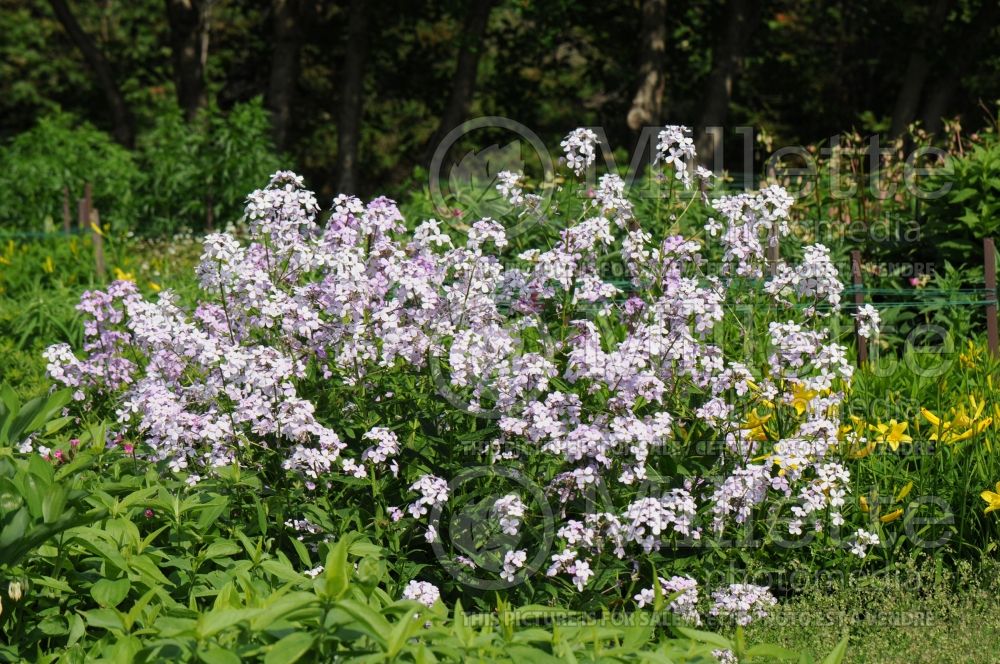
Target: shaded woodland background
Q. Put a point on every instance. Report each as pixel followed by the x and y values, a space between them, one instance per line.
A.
pixel 358 92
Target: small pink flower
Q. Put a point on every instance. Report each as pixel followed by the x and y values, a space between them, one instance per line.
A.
pixel 74 442
pixel 59 455
pixel 129 448
pixel 149 513
pixel 914 281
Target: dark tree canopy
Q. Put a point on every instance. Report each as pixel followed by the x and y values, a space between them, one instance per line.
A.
pixel 359 93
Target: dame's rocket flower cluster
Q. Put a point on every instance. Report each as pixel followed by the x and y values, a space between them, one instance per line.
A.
pixel 593 383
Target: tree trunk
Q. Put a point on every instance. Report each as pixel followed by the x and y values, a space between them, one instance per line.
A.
pixel 284 68
pixel 189 34
pixel 124 129
pixel 463 83
pixel 352 97
pixel 908 99
pixel 938 102
pixel 727 56
pixel 964 49
pixel 648 101
pixel 918 66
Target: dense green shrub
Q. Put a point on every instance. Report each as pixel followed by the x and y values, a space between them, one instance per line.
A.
pixel 196 175
pixel 182 175
pixel 62 152
pixel 968 207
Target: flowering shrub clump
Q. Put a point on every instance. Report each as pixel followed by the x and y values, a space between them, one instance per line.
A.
pixel 657 415
pixel 742 602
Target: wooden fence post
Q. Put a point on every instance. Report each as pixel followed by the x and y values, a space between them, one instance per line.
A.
pixel 98 240
pixel 859 299
pixel 990 265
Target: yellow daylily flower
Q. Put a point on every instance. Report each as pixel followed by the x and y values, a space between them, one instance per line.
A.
pixel 964 424
pixel 904 492
pixel 155 287
pixel 863 501
pixel 893 434
pixel 754 425
pixel 891 516
pixel 48 266
pixel 857 425
pixel 971 356
pixel 801 398
pixel 992 499
pixel 862 452
pixel 755 421
pixel 121 275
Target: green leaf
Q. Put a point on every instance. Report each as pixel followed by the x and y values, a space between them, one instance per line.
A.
pixel 77 628
pixel 337 570
pixel 838 653
pixel 289 649
pixel 215 621
pixel 13 530
pixel 213 654
pixel 149 571
pixel 104 619
pixel 963 195
pixel 371 623
pixel 55 425
pixel 53 503
pixel 303 553
pixel 461 627
pixel 706 637
pixel 281 570
pixel 221 549
pixel 280 607
pixel 771 651
pixel 407 626
pixel 108 593
pixel 211 512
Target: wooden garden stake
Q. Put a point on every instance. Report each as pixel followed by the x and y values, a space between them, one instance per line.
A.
pixel 67 217
pixel 98 239
pixel 859 299
pixel 84 206
pixel 990 260
pixel 772 251
pixel 81 213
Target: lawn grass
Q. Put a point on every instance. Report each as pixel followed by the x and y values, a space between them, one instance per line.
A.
pixel 913 615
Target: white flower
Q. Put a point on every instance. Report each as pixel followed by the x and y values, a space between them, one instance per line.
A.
pixel 868 321
pixel 509 510
pixel 508 184
pixel 512 562
pixel 743 602
pixel 422 591
pixel 675 146
pixel 861 541
pixel 579 148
